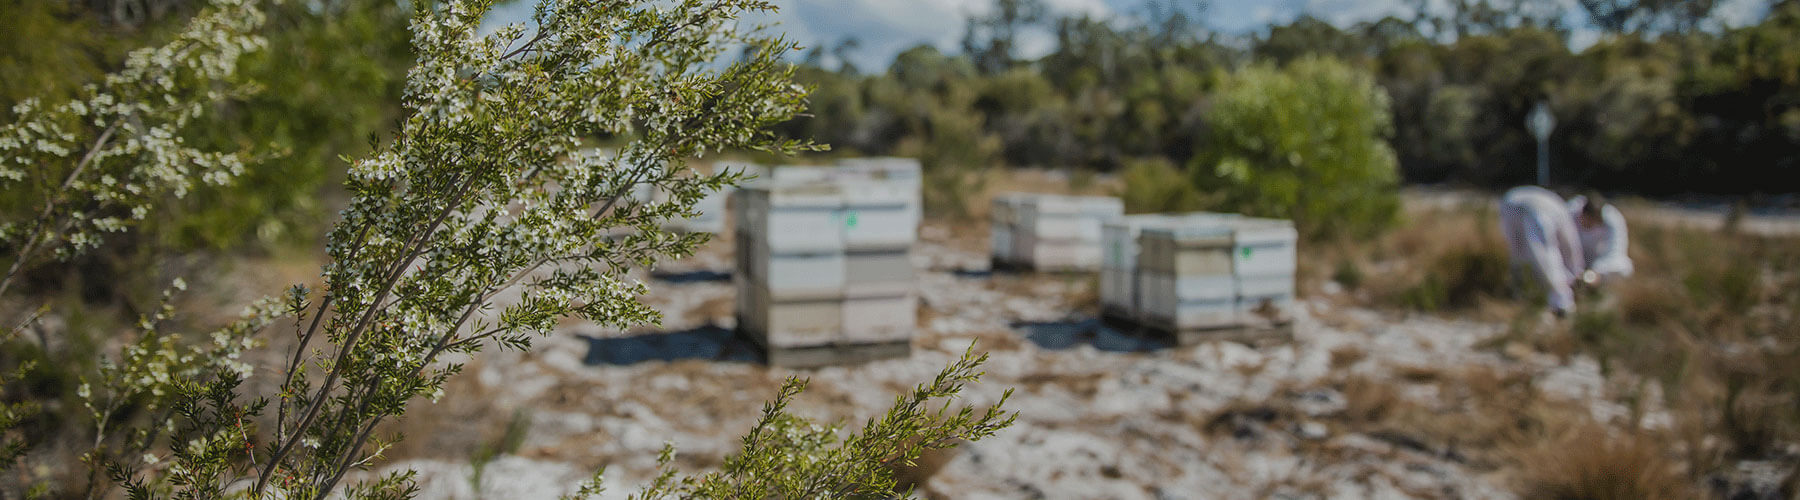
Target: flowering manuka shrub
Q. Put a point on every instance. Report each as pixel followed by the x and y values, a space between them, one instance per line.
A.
pixel 73 171
pixel 70 174
pixel 483 222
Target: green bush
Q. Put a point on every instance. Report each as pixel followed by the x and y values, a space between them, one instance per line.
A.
pixel 1306 141
pixel 1156 186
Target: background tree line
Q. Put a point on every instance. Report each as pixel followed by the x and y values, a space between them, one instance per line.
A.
pixel 1666 101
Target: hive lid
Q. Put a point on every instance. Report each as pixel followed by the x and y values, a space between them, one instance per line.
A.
pixel 1166 221
pixel 883 168
pixel 1208 231
pixel 1094 206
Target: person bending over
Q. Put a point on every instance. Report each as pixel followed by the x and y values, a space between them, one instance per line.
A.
pixel 1541 235
pixel 1602 231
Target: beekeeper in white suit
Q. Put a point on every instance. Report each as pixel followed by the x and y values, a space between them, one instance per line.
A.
pixel 1580 241
pixel 1603 241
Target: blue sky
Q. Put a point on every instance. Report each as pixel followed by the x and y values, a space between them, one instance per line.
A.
pixel 886 27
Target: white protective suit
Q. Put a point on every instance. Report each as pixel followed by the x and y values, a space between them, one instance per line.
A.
pixel 1604 244
pixel 1542 234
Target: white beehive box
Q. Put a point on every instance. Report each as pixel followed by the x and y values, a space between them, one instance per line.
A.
pixel 1002 220
pixel 1055 217
pixel 878 214
pixel 1054 232
pixel 1265 247
pixel 1264 260
pixel 870 273
pixel 826 262
pixel 794 276
pixel 1184 276
pixel 792 323
pixel 1119 255
pixel 880 220
pixel 904 172
pixel 880 318
pixel 1208 271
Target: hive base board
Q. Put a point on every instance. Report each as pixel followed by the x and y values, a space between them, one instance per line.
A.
pixel 999 265
pixel 835 354
pixel 839 353
pixel 1253 335
pixel 1115 315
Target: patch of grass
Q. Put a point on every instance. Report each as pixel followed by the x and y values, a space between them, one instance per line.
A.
pixel 1349 274
pixel 506 443
pixel 1593 462
pixel 1601 330
pixel 1369 400
pixel 1730 285
pixel 1709 321
pixel 1459 279
pixel 1347 355
pixel 1649 302
pixel 1418 374
pixel 1243 419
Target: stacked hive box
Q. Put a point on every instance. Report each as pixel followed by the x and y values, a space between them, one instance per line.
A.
pixel 1119 256
pixel 1264 257
pixel 1199 273
pixel 905 172
pixel 825 270
pixel 1050 232
pixel 1003 216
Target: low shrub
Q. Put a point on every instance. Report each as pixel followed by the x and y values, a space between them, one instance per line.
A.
pixel 1459 279
pixel 1157 186
pixel 1592 462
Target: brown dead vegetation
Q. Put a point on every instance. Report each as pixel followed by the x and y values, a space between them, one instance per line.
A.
pixel 1490 419
pixel 1591 461
pixel 1708 326
pixel 1347 355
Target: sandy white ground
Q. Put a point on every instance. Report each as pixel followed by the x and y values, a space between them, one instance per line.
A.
pixel 1102 415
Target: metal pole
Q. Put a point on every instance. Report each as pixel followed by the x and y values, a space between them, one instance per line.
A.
pixel 1543 163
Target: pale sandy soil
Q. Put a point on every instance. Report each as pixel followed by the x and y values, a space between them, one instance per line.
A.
pixel 1102 415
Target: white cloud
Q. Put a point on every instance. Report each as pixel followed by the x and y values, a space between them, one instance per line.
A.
pixel 1348 12
pixel 884 28
pixel 1742 12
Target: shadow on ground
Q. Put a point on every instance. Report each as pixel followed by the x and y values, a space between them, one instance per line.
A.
pixel 1068 334
pixel 694 276
pixel 975 274
pixel 707 343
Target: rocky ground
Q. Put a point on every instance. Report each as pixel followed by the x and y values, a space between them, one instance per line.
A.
pixel 1101 414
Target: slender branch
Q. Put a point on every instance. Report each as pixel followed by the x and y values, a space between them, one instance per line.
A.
pixel 293 367
pixel 450 340
pixel 38 235
pixel 348 345
pixel 541 35
pixel 345 465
